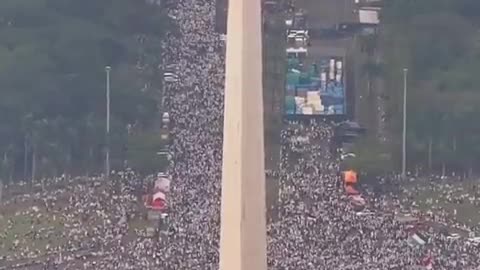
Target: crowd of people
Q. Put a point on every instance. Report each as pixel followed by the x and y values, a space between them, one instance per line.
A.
pixel 78 223
pixel 313 225
pixel 317 227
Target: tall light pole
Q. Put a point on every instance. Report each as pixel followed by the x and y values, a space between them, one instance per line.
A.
pixel 107 131
pixel 404 135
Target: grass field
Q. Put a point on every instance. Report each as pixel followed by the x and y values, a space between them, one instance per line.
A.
pixel 30 228
pixel 439 197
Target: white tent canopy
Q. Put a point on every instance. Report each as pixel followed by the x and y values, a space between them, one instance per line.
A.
pixel 368 16
pixel 162 184
pixel 159 196
pixel 297 50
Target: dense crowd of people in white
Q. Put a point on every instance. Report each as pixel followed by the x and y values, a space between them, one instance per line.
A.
pixel 313 226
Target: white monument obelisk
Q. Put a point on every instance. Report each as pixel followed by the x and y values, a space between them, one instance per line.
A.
pixel 243 241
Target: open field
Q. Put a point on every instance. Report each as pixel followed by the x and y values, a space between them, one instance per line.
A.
pixel 458 201
pixel 42 223
pixel 29 228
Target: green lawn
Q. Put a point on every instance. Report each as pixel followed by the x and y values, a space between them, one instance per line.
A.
pixel 433 198
pixel 20 221
pixel 22 227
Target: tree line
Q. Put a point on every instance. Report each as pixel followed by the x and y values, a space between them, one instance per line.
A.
pixel 53 55
pixel 438 41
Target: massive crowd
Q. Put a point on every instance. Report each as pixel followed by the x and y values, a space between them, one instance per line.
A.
pixel 78 223
pixel 312 227
pixel 317 228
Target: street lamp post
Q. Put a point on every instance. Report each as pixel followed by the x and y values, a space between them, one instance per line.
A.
pixel 404 135
pixel 107 131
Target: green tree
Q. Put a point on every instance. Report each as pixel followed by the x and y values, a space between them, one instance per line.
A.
pixel 146 153
pixel 371 159
pixel 438 42
pixel 52 81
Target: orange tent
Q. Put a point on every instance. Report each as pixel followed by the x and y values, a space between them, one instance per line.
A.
pixel 350 177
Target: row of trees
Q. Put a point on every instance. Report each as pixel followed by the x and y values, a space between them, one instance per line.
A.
pixel 53 55
pixel 438 41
